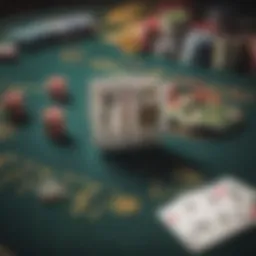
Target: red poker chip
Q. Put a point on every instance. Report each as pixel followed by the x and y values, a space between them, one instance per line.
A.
pixel 13 100
pixel 57 87
pixel 54 117
pixel 150 29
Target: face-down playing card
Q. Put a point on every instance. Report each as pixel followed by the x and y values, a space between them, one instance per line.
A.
pixel 206 217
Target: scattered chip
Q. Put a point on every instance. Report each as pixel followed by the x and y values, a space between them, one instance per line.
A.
pixel 13 100
pixel 128 38
pixel 125 205
pixel 8 51
pixel 14 104
pixel 51 191
pixel 125 13
pixel 83 198
pixel 57 87
pixel 71 55
pixel 54 122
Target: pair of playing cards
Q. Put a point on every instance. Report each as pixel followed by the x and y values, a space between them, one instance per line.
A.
pixel 206 217
pixel 125 111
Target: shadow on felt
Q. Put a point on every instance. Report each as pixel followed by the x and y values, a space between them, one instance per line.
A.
pixel 153 162
pixel 224 134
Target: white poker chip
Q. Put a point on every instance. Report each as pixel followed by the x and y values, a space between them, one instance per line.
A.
pixel 51 191
pixel 8 50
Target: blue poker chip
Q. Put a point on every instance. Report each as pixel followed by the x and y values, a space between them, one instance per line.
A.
pixel 195 43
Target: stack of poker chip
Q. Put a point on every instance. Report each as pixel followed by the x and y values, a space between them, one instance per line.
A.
pixel 173 25
pixel 54 123
pixel 57 88
pixel 229 53
pixel 197 47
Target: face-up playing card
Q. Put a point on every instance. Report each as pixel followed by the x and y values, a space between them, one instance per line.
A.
pixel 124 111
pixel 208 216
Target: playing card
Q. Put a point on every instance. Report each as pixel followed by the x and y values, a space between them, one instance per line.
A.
pixel 124 111
pixel 241 196
pixel 203 218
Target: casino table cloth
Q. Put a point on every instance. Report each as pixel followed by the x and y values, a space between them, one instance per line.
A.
pixel 112 199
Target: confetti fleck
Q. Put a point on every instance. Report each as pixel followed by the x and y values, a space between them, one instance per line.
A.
pixel 83 198
pixel 188 176
pixel 156 190
pixel 125 205
pixel 103 64
pixel 72 55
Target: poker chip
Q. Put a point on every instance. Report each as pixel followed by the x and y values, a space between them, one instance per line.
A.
pixel 8 51
pixel 14 104
pixel 53 116
pixel 57 87
pixel 51 191
pixel 125 205
pixel 150 29
pixel 125 13
pixel 54 122
pixel 220 53
pixel 197 48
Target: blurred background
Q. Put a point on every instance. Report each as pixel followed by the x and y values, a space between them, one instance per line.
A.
pixel 243 8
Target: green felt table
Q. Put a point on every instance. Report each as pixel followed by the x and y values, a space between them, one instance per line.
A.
pixel 148 178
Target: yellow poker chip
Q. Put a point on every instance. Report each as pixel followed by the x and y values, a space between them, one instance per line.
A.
pixel 125 13
pixel 125 205
pixel 128 38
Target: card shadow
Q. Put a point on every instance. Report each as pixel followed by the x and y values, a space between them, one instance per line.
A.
pixel 224 134
pixel 154 162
